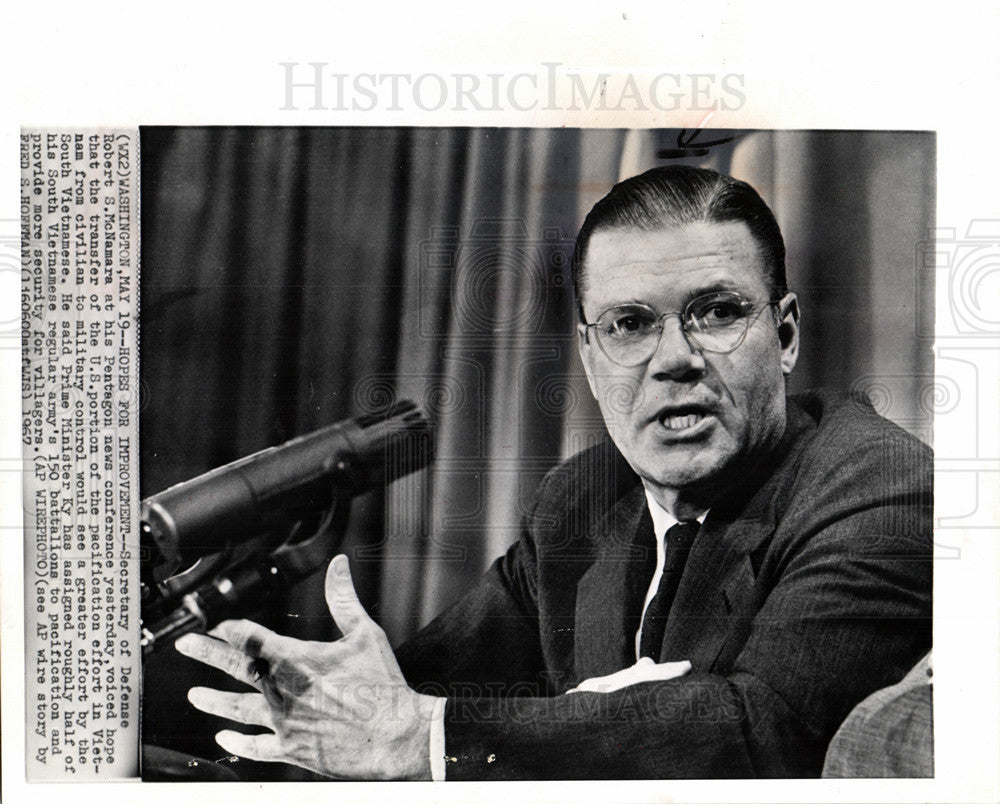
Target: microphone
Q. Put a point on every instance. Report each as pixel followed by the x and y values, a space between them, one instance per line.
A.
pixel 242 498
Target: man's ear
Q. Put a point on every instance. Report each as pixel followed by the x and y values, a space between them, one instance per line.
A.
pixel 587 356
pixel 788 332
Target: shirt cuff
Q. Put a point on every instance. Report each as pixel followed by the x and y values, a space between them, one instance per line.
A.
pixel 436 748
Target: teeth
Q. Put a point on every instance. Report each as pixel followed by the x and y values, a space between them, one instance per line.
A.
pixel 681 422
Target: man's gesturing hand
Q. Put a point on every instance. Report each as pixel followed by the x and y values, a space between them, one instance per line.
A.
pixel 340 708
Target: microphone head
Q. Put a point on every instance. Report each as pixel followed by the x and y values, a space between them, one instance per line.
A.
pixel 242 499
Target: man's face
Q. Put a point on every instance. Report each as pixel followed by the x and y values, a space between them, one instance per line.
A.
pixel 684 415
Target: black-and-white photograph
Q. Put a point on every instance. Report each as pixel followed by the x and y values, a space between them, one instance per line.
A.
pixel 536 454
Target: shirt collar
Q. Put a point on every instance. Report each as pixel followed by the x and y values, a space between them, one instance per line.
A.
pixel 663 520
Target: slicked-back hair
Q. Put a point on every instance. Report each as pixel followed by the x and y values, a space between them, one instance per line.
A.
pixel 673 196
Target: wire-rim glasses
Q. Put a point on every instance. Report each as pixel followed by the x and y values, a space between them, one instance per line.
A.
pixel 629 334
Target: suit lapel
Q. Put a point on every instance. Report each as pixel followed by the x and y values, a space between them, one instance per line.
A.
pixel 717 587
pixel 610 593
pixel 715 601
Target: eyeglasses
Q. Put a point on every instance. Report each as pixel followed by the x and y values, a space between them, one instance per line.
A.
pixel 715 322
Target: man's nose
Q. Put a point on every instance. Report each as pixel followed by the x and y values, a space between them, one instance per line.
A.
pixel 675 355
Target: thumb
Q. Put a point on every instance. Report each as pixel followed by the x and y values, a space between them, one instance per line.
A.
pixel 341 599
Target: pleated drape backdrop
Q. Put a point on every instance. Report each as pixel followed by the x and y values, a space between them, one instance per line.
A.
pixel 295 277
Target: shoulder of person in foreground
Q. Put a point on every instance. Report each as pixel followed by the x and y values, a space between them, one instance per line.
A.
pixel 890 734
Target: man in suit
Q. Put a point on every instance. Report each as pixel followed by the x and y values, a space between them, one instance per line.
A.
pixel 708 594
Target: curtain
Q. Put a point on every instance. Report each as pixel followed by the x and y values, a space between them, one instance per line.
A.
pixel 295 277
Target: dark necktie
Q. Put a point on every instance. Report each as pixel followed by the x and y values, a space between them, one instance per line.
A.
pixel 677 545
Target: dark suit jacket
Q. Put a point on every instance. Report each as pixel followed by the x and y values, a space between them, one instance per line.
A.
pixel 806 589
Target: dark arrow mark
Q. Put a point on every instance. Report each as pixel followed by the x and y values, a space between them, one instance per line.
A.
pixel 686 145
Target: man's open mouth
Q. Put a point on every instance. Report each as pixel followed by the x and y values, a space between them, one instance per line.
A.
pixel 675 422
pixel 678 418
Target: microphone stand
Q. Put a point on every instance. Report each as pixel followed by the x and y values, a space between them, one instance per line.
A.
pixel 238 581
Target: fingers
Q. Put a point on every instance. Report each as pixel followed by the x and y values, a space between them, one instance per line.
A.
pixel 252 639
pixel 259 747
pixel 341 599
pixel 247 708
pixel 216 653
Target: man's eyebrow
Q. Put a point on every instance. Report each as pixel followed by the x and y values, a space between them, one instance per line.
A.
pixel 716 287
